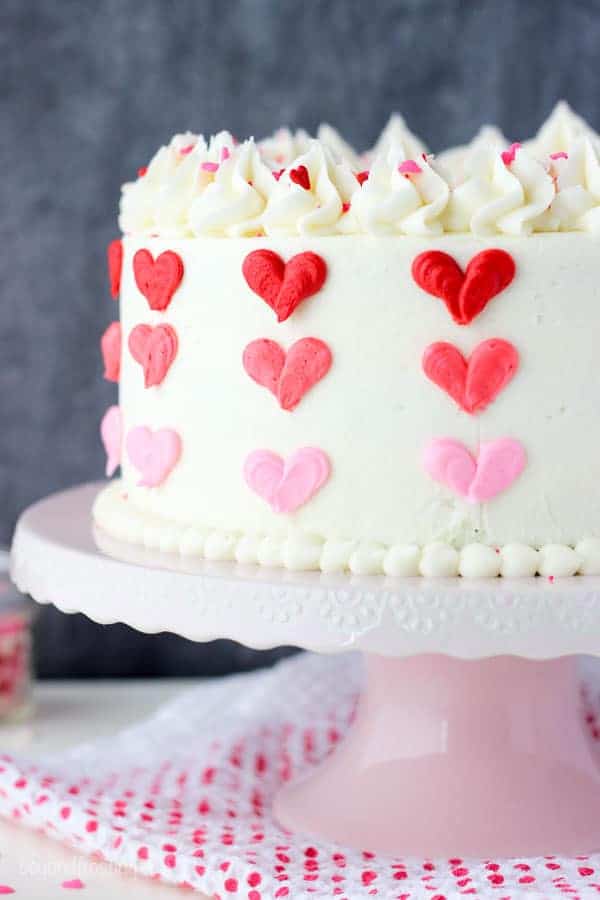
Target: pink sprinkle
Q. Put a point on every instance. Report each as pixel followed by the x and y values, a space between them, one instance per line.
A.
pixel 409 167
pixel 560 155
pixel 5 889
pixel 345 207
pixel 210 167
pixel 225 154
pixel 508 156
pixel 76 884
pixel 277 175
pixel 185 150
pixel 551 579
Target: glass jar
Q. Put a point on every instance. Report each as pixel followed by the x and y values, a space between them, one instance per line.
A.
pixel 15 651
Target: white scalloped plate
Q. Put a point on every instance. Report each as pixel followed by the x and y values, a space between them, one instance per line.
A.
pixel 58 557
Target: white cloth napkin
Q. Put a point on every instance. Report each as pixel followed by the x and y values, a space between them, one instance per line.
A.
pixel 186 797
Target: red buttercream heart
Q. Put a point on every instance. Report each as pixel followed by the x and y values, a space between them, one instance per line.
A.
pixel 473 383
pixel 154 349
pixel 110 344
pixel 287 375
pixel 283 286
pixel 158 279
pixel 300 176
pixel 114 254
pixel 467 293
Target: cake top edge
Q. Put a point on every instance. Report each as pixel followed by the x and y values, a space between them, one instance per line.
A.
pixel 294 184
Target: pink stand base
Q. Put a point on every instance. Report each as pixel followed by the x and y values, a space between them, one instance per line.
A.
pixel 450 758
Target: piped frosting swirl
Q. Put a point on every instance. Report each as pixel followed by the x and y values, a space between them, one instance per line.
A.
pixel 292 184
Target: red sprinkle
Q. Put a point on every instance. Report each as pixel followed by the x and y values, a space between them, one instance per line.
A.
pixel 345 207
pixel 508 156
pixel 142 171
pixel 409 167
pixel 300 176
pixel 361 177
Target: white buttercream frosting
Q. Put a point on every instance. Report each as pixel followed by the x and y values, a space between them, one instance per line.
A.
pixel 456 161
pixel 233 202
pixel 225 189
pixel 159 202
pixel 397 135
pixel 304 552
pixel 500 197
pixel 283 147
pixel 316 208
pixel 560 131
pixel 391 201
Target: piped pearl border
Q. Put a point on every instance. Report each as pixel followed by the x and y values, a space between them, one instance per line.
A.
pixel 115 515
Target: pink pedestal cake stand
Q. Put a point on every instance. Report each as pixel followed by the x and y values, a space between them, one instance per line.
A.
pixel 469 738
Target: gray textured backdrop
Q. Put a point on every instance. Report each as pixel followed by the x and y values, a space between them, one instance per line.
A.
pixel 90 88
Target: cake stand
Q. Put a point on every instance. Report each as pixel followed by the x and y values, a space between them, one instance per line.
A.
pixel 469 737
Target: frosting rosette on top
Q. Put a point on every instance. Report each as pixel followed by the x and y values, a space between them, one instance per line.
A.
pixel 559 133
pixel 292 184
pixel 398 137
pixel 400 196
pixel 577 178
pixel 503 193
pixel 232 203
pixel 283 147
pixel 159 202
pixel 455 164
pixel 310 196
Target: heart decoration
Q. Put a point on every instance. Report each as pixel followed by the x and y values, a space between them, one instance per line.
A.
pixel 114 253
pixel 158 279
pixel 301 177
pixel 289 376
pixel 288 484
pixel 110 345
pixel 283 286
pixel 473 383
pixel 467 293
pixel 498 464
pixel 153 453
pixel 154 349
pixel 111 432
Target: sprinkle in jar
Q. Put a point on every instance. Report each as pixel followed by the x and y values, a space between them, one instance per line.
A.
pixel 15 652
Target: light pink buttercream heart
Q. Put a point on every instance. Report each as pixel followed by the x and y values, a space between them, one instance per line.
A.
pixel 286 484
pixel 153 453
pixel 111 432
pixel 498 464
